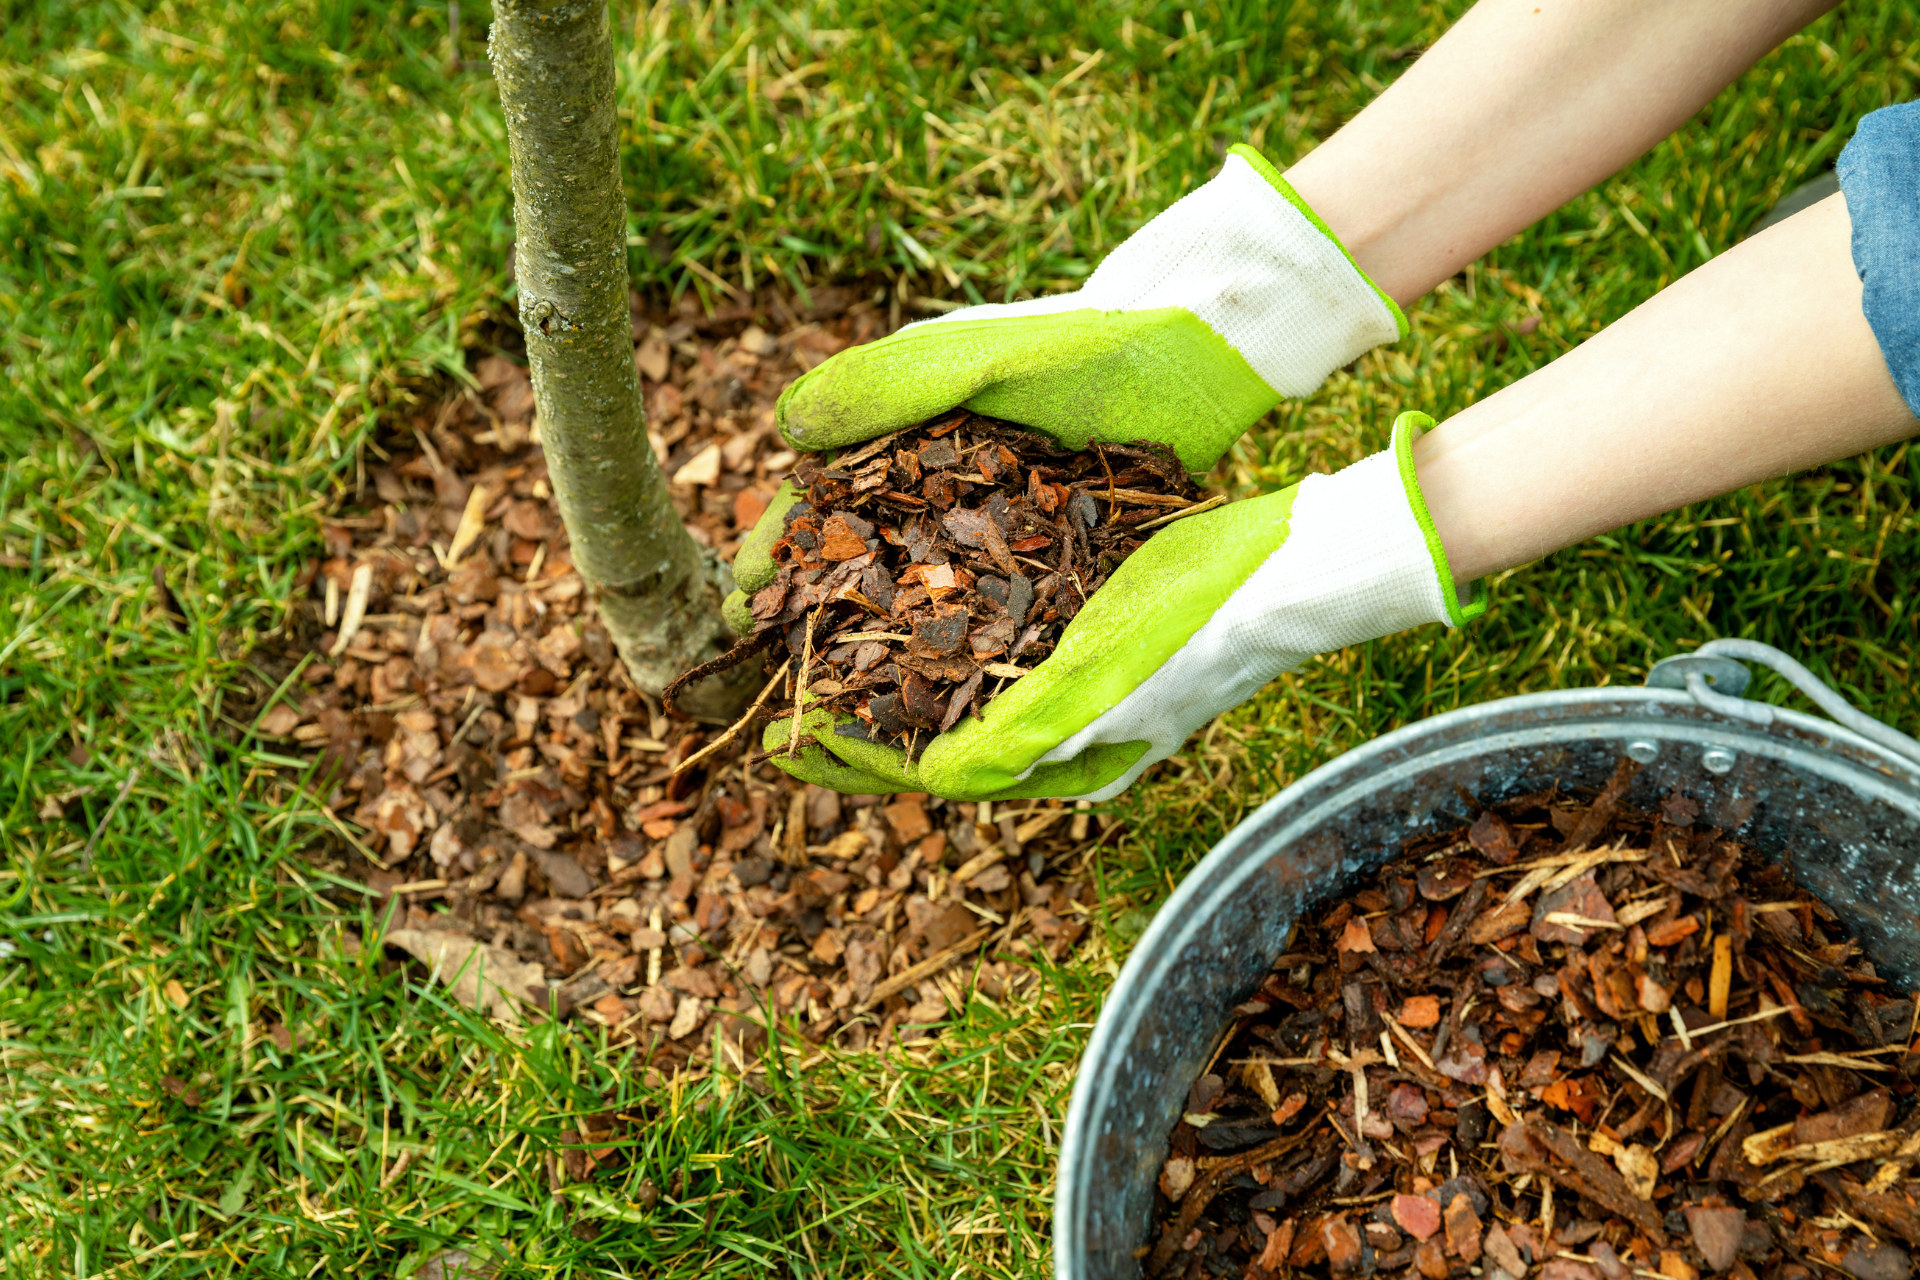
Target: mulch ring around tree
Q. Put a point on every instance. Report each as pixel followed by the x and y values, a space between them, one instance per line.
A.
pixel 511 798
pixel 1568 1041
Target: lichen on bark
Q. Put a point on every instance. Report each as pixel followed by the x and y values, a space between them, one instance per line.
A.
pixel 659 593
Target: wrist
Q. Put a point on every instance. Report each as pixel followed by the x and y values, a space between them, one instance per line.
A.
pixel 1369 221
pixel 1460 595
pixel 1307 209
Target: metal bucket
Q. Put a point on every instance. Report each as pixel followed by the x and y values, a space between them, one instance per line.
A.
pixel 1838 808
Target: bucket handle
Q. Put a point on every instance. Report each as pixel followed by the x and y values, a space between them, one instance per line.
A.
pixel 1716 681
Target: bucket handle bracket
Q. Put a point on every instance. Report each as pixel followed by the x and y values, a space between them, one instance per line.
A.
pixel 1713 675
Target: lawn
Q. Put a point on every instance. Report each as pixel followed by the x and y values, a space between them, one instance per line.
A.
pixel 237 239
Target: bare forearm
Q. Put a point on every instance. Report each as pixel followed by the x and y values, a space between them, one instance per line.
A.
pixel 1521 106
pixel 1756 365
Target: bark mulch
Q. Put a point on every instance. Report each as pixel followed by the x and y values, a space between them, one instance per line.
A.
pixel 510 794
pixel 1568 1041
pixel 919 570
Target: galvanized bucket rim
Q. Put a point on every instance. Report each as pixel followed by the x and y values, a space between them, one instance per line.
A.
pixel 1174 913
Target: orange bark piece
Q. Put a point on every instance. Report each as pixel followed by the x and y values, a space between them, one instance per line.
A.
pixel 1420 1011
pixel 1665 935
pixel 1720 980
pixel 748 506
pixel 1463 1229
pixel 1675 1267
pixel 1355 937
pixel 1307 1246
pixel 908 818
pixel 1341 1239
pixel 1418 1216
pixel 1584 1096
pixel 838 542
pixel 1279 1244
pixel 940 580
pixel 1578 1094
pixel 1787 998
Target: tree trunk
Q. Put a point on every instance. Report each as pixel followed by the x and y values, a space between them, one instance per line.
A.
pixel 659 593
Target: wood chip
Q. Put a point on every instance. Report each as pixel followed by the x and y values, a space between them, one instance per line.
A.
pixel 1719 984
pixel 925 969
pixel 1198 508
pixel 356 610
pixel 473 523
pixel 1569 919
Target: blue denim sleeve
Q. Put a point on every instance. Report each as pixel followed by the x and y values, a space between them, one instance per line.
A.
pixel 1880 178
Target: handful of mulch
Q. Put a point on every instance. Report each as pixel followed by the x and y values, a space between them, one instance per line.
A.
pixel 926 570
pixel 1566 1041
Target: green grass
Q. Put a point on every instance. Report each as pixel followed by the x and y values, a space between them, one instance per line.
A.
pixel 236 240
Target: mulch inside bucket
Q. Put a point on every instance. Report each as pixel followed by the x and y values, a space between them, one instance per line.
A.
pixel 1571 1041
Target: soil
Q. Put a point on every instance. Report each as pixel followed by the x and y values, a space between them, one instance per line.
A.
pixel 498 784
pixel 1568 1040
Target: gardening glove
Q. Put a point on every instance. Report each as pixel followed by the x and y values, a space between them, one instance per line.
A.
pixel 1211 608
pixel 1188 332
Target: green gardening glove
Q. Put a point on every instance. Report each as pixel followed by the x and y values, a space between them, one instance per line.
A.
pixel 1187 333
pixel 1195 622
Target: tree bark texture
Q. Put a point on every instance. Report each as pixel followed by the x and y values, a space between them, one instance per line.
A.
pixel 656 588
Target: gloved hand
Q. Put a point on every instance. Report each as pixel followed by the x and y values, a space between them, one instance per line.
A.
pixel 1187 333
pixel 1195 622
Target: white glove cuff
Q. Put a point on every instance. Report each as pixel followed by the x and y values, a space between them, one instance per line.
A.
pixel 1245 254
